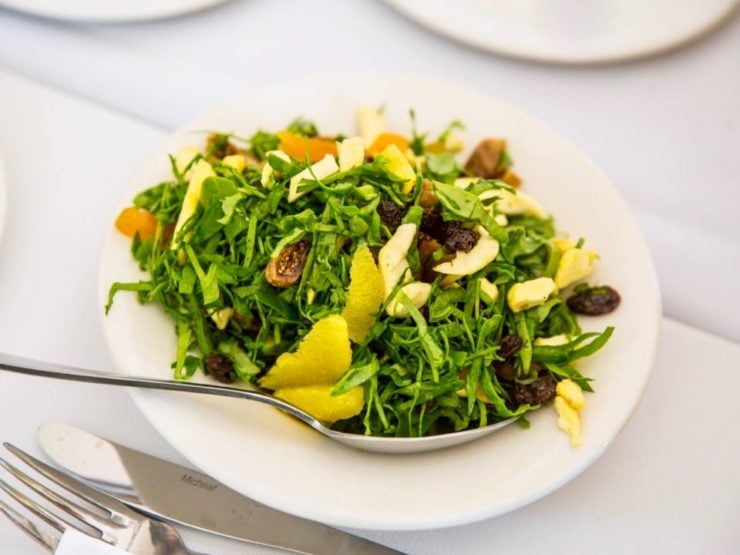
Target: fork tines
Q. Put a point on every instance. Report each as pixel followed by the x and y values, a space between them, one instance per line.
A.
pixel 115 526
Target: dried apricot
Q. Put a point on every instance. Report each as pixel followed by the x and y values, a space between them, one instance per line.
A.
pixel 298 147
pixel 133 220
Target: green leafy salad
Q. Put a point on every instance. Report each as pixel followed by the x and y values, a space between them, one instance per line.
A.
pixel 371 280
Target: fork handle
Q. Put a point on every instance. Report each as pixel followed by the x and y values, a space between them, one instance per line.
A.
pixel 30 367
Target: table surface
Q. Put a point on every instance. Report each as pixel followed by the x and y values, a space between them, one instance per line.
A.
pixel 668 138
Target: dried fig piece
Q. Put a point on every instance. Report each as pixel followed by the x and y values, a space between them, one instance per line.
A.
pixel 594 301
pixel 485 159
pixel 285 269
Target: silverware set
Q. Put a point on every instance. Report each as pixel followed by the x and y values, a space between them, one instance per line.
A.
pixel 129 499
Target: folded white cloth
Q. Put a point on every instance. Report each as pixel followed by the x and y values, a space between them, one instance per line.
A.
pixel 77 543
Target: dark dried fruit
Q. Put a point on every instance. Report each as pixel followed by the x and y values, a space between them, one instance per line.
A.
pixel 484 162
pixel 391 214
pixel 427 246
pixel 220 146
pixel 251 325
pixel 458 238
pixel 286 268
pixel 505 370
pixel 540 391
pixel 220 367
pixel 510 345
pixel 452 234
pixel 510 177
pixel 431 221
pixel 428 198
pixel 594 301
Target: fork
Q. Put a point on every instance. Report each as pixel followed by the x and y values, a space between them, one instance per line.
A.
pixel 119 526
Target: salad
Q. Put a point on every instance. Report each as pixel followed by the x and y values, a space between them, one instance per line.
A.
pixel 371 280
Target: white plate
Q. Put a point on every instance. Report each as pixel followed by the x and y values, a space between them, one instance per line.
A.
pixel 570 31
pixel 107 10
pixel 3 200
pixel 277 461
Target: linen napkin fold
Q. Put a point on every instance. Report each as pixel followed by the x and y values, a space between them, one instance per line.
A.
pixel 77 543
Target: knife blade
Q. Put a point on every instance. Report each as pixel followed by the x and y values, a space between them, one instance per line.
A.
pixel 179 494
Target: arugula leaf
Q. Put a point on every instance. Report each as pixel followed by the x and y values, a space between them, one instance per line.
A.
pixel 262 142
pixel 301 126
pixel 466 206
pixel 243 366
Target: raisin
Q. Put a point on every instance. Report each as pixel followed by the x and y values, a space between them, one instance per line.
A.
pixel 391 214
pixel 510 345
pixel 427 246
pixel 220 367
pixel 457 238
pixel 594 301
pixel 286 268
pixel 452 234
pixel 505 370
pixel 431 222
pixel 538 392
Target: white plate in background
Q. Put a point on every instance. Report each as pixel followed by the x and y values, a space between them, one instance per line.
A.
pixel 282 463
pixel 3 198
pixel 108 10
pixel 570 31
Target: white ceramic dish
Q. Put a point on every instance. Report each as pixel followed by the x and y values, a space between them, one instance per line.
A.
pixel 570 31
pixel 282 463
pixel 3 198
pixel 109 11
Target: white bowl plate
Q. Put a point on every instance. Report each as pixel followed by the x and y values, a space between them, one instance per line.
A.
pixel 3 198
pixel 107 10
pixel 570 31
pixel 277 461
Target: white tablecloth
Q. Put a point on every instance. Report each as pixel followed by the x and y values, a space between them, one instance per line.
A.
pixel 666 130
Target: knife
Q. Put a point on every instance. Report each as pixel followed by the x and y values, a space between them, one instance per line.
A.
pixel 179 494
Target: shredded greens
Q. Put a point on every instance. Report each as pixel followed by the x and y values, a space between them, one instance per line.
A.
pixel 433 371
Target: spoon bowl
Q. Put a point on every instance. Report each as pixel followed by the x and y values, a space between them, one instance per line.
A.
pixel 395 445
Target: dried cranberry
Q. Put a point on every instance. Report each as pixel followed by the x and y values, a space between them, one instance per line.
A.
pixel 220 367
pixel 594 301
pixel 391 214
pixel 538 392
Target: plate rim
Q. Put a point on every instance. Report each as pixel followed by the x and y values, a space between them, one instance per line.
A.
pixel 146 400
pixel 3 199
pixel 407 8
pixel 41 9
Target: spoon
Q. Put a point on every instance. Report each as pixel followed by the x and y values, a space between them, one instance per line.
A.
pixel 398 445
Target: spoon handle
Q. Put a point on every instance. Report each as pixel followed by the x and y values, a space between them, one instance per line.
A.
pixel 30 367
